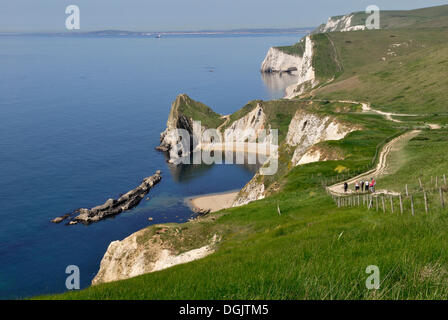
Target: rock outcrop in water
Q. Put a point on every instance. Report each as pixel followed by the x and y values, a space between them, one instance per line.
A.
pixel 113 207
pixel 194 118
pixel 183 114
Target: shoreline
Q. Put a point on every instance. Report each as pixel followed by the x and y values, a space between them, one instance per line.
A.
pixel 212 201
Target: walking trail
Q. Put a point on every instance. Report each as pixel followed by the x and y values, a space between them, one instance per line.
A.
pixel 380 169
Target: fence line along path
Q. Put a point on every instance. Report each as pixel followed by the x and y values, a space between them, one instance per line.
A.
pixel 380 169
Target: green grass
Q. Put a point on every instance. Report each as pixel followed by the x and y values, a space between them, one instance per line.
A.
pixel 423 157
pixel 296 50
pixel 196 111
pixel 411 80
pixel 315 250
pixel 397 19
pixel 312 251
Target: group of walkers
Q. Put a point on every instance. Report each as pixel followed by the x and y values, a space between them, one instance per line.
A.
pixel 362 186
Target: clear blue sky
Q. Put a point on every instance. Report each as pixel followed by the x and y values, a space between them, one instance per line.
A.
pixel 154 15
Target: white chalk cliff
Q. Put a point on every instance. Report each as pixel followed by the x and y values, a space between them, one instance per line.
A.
pixel 130 257
pixel 306 73
pixel 278 61
pixel 340 24
pixel 308 129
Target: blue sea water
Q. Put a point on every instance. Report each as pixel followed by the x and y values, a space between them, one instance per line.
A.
pixel 79 120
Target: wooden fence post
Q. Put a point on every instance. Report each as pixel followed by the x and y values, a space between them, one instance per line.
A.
pixel 384 206
pixel 376 200
pixel 401 204
pixel 420 183
pixel 437 181
pixel 407 192
pixel 391 204
pixel 444 179
pixel 426 202
pixel 412 205
pixel 442 202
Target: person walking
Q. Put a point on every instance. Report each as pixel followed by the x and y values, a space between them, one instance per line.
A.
pixel 345 187
pixel 366 185
pixel 362 185
pixel 357 187
pixel 372 185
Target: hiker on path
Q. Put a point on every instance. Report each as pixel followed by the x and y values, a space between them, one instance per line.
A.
pixel 372 185
pixel 362 185
pixel 345 187
pixel 357 186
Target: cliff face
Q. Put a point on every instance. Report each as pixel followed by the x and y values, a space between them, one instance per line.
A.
pixel 133 256
pixel 277 60
pixel 340 24
pixel 248 128
pixel 252 191
pixel 308 129
pixel 317 153
pixel 306 73
pixel 182 112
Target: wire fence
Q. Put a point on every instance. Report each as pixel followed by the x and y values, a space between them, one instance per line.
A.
pixel 423 198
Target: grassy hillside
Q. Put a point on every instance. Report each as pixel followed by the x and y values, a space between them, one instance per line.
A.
pixel 431 17
pixel 411 163
pixel 419 18
pixel 313 249
pixel 297 49
pixel 402 71
pixel 195 110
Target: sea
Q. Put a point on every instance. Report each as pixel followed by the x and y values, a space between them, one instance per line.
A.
pixel 80 117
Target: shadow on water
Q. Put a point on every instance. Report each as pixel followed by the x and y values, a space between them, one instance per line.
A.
pixel 186 172
pixel 276 83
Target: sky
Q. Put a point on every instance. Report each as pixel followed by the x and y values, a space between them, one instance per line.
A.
pixel 183 15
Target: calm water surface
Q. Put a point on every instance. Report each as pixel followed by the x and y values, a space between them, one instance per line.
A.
pixel 79 120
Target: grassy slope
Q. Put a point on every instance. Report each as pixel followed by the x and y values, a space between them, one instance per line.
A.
pixel 297 49
pixel 396 19
pixel 195 110
pixel 413 81
pixel 314 250
pixel 430 144
pixel 420 18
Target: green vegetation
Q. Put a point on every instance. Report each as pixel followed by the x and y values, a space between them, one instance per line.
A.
pixel 325 60
pixel 313 249
pixel 398 19
pixel 296 50
pixel 424 157
pixel 401 71
pixel 195 110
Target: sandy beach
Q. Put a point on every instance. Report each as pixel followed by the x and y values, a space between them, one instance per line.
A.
pixel 213 202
